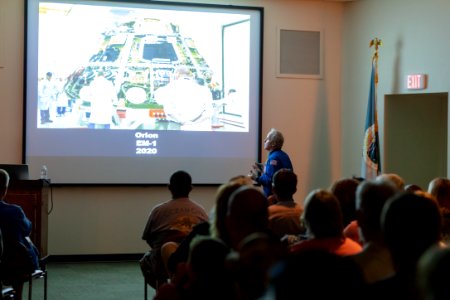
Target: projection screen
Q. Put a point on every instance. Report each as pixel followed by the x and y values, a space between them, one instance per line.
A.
pixel 127 92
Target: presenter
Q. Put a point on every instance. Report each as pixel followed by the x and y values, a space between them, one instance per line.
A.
pixel 277 160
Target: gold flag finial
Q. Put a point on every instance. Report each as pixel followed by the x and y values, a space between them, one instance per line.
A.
pixel 376 42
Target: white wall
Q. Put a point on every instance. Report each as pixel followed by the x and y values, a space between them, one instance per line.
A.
pixel 100 220
pixel 415 37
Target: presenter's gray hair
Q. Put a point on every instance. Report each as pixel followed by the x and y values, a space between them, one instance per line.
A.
pixel 276 138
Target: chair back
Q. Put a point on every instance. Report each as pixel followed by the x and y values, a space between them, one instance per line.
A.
pixel 16 263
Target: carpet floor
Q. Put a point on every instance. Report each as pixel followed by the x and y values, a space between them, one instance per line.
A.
pixel 92 280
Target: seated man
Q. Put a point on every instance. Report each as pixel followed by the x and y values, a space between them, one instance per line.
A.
pixel 256 250
pixel 322 218
pixel 284 215
pixel 433 273
pixel 375 259
pixel 15 228
pixel 439 187
pixel 410 224
pixel 394 178
pixel 170 221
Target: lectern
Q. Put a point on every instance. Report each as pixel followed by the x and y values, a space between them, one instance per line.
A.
pixel 33 197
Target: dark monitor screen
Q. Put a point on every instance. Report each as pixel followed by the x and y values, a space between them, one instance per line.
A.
pixel 16 171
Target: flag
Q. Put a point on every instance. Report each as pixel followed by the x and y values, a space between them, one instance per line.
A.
pixel 371 164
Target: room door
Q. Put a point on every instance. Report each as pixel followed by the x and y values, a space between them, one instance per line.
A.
pixel 415 136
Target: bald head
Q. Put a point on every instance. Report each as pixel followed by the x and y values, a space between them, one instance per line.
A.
pixel 440 189
pixel 394 178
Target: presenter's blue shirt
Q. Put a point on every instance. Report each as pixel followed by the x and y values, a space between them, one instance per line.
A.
pixel 276 160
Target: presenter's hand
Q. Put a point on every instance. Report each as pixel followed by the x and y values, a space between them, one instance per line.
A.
pixel 258 167
pixel 254 174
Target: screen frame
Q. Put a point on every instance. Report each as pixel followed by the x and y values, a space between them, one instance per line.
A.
pixel 259 10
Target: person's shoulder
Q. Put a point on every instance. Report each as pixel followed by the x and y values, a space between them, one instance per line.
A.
pixel 9 210
pixel 280 207
pixel 10 206
pixel 350 247
pixel 184 201
pixel 283 153
pixel 274 208
pixel 162 205
pixel 278 152
pixel 196 204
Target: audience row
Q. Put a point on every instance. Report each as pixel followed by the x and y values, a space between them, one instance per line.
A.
pixel 359 239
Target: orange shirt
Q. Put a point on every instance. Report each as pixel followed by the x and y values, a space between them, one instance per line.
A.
pixel 339 246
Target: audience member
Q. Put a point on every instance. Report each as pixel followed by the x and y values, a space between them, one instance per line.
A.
pixel 322 218
pixel 410 224
pixel 394 178
pixel 203 276
pixel 219 212
pixel 284 215
pixel 255 247
pixel 250 266
pixel 413 188
pixel 170 221
pixel 315 275
pixel 210 279
pixel 433 274
pixel 15 228
pixel 375 259
pixel 247 213
pixel 345 190
pixel 174 253
pixel 277 159
pixel 220 208
pixel 440 188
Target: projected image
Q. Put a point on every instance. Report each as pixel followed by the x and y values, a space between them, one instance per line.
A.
pixel 108 67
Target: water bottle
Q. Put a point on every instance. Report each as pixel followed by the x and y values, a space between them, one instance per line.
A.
pixel 44 172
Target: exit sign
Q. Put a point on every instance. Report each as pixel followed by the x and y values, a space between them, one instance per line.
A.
pixel 416 82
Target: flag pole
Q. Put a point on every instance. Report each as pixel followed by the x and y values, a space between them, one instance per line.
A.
pixel 371 162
